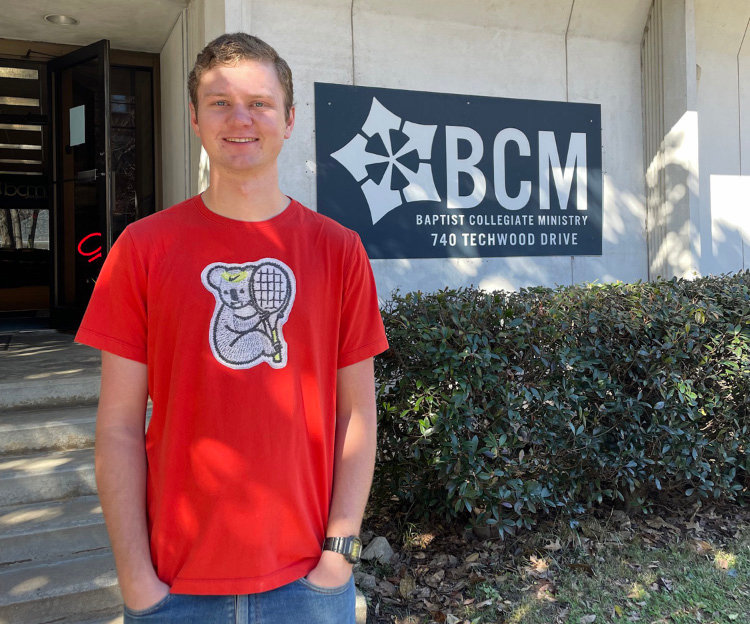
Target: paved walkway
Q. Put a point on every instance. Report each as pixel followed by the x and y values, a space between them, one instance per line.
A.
pixel 43 361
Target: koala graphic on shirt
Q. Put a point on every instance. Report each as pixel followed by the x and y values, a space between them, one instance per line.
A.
pixel 253 301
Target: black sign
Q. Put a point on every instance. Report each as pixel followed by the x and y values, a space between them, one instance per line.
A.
pixel 431 175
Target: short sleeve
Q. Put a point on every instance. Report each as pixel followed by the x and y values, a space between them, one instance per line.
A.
pixel 361 332
pixel 115 319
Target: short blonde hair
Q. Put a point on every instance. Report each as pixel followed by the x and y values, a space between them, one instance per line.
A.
pixel 230 49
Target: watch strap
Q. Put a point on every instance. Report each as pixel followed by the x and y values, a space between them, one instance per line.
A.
pixel 336 544
pixel 350 547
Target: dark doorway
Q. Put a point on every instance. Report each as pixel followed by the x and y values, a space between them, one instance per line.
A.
pixel 25 260
pixel 77 165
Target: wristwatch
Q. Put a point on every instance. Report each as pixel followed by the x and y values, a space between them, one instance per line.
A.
pixel 350 547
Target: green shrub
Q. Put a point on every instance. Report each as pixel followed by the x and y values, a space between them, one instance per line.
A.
pixel 501 406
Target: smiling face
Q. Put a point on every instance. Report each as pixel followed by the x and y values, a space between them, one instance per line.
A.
pixel 240 118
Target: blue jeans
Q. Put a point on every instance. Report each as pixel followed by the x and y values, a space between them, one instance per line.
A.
pixel 295 603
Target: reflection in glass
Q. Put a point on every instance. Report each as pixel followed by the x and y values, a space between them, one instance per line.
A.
pixel 24 199
pixel 24 229
pixel 132 146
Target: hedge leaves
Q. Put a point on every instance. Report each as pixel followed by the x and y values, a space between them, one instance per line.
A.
pixel 500 406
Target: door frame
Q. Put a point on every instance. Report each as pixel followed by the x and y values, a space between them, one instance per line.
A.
pixel 63 311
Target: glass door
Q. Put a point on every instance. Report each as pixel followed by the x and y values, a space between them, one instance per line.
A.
pixel 25 267
pixel 80 86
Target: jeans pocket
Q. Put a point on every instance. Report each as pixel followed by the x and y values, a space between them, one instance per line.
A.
pixel 327 591
pixel 149 610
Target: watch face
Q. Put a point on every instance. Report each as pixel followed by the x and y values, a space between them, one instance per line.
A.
pixel 356 549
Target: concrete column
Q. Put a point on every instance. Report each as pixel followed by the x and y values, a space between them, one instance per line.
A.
pixel 743 71
pixel 682 252
pixel 174 116
pixel 207 19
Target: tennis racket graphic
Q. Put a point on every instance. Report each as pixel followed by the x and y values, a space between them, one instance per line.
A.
pixel 270 290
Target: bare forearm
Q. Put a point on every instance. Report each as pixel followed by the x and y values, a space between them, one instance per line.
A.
pixel 354 462
pixel 121 477
pixel 121 481
pixel 352 475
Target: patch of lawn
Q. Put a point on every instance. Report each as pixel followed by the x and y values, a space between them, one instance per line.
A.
pixel 682 584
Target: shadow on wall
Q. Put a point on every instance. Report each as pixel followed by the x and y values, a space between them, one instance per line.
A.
pixel 672 202
pixel 677 246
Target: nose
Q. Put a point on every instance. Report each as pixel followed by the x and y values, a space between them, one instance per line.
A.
pixel 233 294
pixel 242 115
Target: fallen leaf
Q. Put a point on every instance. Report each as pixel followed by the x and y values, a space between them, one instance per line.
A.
pixel 406 586
pixel 537 567
pixel 554 546
pixel 665 583
pixel 472 558
pixel 587 619
pixel 618 611
pixel 546 591
pixel 433 580
pixel 702 547
pixel 657 522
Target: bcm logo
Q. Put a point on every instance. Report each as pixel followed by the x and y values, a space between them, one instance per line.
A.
pixel 390 159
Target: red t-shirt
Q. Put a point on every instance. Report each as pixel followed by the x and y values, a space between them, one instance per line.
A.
pixel 243 327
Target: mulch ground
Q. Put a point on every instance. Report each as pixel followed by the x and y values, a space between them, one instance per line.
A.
pixel 437 574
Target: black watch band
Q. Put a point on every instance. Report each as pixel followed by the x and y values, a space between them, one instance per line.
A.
pixel 350 547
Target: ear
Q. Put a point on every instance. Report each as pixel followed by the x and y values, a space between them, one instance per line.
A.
pixel 194 120
pixel 289 124
pixel 214 276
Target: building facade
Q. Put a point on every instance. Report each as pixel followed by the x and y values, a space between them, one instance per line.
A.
pixel 671 79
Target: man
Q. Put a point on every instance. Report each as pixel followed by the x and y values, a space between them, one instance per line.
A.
pixel 251 322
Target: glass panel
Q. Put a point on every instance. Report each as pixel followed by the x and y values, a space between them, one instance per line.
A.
pixel 24 245
pixel 19 72
pixel 25 257
pixel 132 146
pixel 21 162
pixel 24 229
pixel 82 226
pixel 26 127
pixel 19 146
pixel 18 101
pixel 20 91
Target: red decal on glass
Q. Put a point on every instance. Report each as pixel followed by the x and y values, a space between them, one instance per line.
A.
pixel 96 253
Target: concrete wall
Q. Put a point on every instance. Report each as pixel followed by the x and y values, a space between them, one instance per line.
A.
pixel 543 49
pixel 176 164
pixel 723 103
pixel 579 51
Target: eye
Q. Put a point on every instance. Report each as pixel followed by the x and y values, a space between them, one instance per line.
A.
pixel 259 104
pixel 221 103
